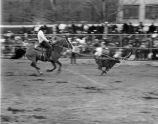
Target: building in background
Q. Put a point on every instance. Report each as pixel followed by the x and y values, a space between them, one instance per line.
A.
pixel 136 11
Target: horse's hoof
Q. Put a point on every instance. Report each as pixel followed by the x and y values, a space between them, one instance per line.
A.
pixel 48 70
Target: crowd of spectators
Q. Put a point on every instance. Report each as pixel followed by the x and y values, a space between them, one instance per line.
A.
pixel 129 37
pixel 111 28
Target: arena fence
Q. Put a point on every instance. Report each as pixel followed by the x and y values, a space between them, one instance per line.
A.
pixel 142 45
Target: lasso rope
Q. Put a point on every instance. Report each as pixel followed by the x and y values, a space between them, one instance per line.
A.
pixel 107 56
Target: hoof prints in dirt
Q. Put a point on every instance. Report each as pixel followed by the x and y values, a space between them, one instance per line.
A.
pixel 10 74
pixel 33 75
pixel 117 82
pixel 60 82
pixel 49 82
pixel 93 89
pixel 39 117
pixel 23 118
pixel 151 95
pixel 39 109
pixel 145 112
pixel 40 79
pixel 5 118
pixel 14 110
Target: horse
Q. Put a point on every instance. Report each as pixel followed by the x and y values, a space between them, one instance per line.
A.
pixel 39 54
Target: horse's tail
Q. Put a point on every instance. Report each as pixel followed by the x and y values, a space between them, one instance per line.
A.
pixel 19 53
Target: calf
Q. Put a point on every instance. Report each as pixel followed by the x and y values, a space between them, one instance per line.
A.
pixel 105 64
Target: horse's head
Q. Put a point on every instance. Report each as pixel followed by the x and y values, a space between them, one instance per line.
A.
pixel 63 42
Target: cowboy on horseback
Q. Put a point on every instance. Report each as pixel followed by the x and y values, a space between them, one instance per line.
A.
pixel 44 42
pixel 54 52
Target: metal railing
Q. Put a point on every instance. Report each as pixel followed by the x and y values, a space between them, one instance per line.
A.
pixel 140 43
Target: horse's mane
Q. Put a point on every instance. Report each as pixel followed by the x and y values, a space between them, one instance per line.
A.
pixel 63 41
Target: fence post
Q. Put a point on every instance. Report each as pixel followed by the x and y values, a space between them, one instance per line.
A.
pixel 105 29
pixel 121 44
pixel 150 49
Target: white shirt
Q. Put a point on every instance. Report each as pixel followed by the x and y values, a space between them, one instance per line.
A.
pixel 75 49
pixel 41 37
pixel 155 43
pixel 98 51
pixel 154 35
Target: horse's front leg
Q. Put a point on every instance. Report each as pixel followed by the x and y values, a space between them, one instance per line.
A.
pixel 54 67
pixel 60 65
pixel 33 64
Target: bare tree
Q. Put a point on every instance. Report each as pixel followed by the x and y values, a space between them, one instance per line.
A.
pixel 50 11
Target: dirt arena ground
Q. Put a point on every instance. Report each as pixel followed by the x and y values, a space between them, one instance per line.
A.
pixel 128 94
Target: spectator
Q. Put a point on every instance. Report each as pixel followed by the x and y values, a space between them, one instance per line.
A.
pixel 114 28
pixel 74 52
pixel 152 28
pixel 154 35
pixel 155 45
pixel 136 42
pixel 73 28
pixel 130 28
pixel 57 29
pixel 125 28
pixel 140 27
pixel 101 29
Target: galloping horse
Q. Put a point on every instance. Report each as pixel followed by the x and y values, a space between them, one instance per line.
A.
pixel 35 54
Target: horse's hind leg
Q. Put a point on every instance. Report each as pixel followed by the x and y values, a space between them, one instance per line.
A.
pixel 54 67
pixel 33 64
pixel 60 65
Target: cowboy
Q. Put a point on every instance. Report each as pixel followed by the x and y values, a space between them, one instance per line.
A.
pixel 98 51
pixel 43 41
pixel 102 50
pixel 75 50
pixel 105 50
